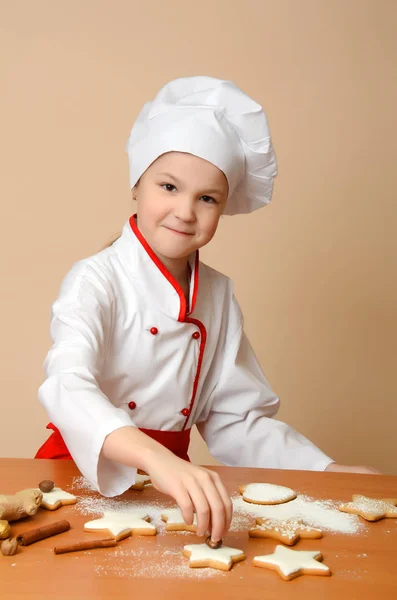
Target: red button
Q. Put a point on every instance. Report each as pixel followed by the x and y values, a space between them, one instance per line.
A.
pixel 154 331
pixel 131 405
pixel 196 335
pixel 185 412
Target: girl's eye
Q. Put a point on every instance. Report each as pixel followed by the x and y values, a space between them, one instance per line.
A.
pixel 167 187
pixel 209 199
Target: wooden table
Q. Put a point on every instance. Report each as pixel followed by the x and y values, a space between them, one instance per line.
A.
pixel 363 565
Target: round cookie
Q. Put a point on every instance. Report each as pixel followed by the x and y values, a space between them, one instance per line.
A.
pixel 266 493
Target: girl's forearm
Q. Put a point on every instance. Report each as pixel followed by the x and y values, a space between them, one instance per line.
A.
pixel 129 446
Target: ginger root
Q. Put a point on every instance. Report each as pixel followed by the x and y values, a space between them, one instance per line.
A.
pixel 22 504
pixel 5 530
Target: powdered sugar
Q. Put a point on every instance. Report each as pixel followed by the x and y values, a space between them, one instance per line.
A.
pixel 156 563
pixel 82 484
pixel 141 557
pixel 290 529
pixel 267 493
pixel 371 509
pixel 322 514
pixel 89 505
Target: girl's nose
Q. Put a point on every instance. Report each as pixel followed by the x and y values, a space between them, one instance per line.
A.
pixel 184 209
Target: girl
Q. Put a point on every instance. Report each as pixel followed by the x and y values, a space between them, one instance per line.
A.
pixel 148 341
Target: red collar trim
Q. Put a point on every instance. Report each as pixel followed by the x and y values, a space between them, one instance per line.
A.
pixel 164 271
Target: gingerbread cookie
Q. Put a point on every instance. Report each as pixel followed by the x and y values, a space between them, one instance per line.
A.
pixel 174 521
pixel 288 531
pixel 371 509
pixel 122 524
pixel 292 563
pixel 223 558
pixel 140 482
pixel 57 498
pixel 266 493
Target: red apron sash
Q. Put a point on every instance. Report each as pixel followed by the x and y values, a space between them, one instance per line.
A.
pixel 176 441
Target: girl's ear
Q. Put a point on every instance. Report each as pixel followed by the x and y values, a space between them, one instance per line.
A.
pixel 134 190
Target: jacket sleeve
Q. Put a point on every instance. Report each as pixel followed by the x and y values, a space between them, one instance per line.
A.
pixel 238 426
pixel 80 329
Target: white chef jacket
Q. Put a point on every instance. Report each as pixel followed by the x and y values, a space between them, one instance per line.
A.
pixel 127 351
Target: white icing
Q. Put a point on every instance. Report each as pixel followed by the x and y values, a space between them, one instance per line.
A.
pixel 141 478
pixel 119 523
pixel 203 553
pixel 174 517
pixel 291 561
pixel 56 495
pixel 371 507
pixel 267 492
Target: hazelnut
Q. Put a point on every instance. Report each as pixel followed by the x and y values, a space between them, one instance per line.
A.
pixel 9 547
pixel 212 544
pixel 46 486
pixel 5 529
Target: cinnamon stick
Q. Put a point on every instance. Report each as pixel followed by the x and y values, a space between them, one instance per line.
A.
pixel 34 535
pixel 88 545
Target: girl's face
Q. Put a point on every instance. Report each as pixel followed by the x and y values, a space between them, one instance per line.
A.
pixel 180 200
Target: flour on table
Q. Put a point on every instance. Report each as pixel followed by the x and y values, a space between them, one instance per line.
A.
pixel 316 513
pixel 156 563
pixel 82 484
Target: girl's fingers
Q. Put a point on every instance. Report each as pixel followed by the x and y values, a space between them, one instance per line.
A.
pixel 218 510
pixel 196 490
pixel 228 505
pixel 201 507
pixel 185 503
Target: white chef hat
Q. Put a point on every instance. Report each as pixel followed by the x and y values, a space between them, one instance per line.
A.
pixel 214 120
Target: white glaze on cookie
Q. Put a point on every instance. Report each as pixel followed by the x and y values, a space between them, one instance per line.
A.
pixel 203 554
pixel 174 519
pixel 141 481
pixel 56 498
pixel 290 563
pixel 267 493
pixel 121 525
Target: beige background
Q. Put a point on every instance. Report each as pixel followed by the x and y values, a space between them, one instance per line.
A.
pixel 315 272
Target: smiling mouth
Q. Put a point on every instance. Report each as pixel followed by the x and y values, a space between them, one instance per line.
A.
pixel 178 232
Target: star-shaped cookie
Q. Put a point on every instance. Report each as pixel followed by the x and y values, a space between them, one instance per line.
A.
pixel 371 509
pixel 292 563
pixel 288 531
pixel 122 524
pixel 57 498
pixel 140 482
pixel 175 522
pixel 201 555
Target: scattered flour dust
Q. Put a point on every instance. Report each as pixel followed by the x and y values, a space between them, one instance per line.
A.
pixel 148 560
pixel 322 514
pixel 82 484
pixel 151 562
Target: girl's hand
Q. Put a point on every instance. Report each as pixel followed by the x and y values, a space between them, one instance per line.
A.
pixel 195 490
pixel 334 467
